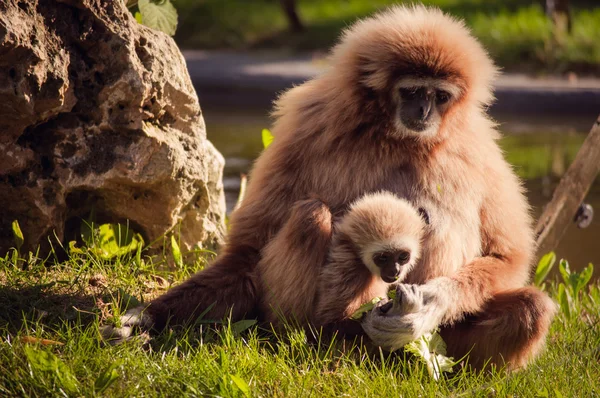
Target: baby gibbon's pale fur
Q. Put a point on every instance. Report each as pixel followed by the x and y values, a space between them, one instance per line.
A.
pixel 376 223
pixel 349 132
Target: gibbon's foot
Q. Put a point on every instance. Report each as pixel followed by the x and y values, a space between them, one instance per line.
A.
pixel 416 310
pixel 509 331
pixel 132 319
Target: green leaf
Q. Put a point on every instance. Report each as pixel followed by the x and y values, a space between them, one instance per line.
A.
pixel 267 138
pixel 138 17
pixel 431 350
pixel 543 268
pixel 46 362
pixel 17 234
pixel 73 249
pixel 583 278
pixel 106 378
pixel 366 307
pixel 564 300
pixel 116 240
pixel 159 14
pixel 239 326
pixel 126 300
pixel 176 252
pixel 240 384
pixel 565 271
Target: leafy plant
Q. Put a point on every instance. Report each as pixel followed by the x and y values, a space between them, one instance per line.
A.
pixel 106 378
pixel 156 14
pixel 543 269
pixel 569 291
pixel 47 363
pixel 108 241
pixel 176 252
pixel 431 350
pixel 19 239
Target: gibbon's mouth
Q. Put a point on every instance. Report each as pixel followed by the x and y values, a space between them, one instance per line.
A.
pixel 391 277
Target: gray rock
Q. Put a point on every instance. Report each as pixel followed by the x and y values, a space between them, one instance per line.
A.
pixel 98 112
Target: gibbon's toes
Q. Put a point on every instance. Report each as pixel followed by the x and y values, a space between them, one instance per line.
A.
pixel 131 319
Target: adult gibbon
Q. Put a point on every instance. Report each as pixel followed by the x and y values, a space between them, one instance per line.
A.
pixel 401 109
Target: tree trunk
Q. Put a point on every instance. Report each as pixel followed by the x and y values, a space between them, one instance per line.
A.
pixel 289 7
pixel 570 193
pixel 558 12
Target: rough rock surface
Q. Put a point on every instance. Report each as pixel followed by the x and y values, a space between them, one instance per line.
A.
pixel 98 112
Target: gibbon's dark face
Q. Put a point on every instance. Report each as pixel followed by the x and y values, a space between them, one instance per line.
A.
pixel 422 104
pixel 390 263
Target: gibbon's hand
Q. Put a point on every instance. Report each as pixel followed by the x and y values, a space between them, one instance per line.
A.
pixel 416 310
pixel 131 319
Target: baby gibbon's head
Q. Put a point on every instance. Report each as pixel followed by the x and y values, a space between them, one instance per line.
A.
pixel 386 231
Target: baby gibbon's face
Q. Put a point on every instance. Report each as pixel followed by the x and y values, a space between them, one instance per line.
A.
pixel 392 258
pixel 386 233
pixel 391 263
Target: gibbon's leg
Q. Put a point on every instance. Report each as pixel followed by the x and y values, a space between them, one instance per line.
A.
pixel 227 287
pixel 291 263
pixel 231 285
pixel 510 330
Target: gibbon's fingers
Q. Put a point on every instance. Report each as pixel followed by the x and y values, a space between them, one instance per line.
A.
pixel 409 299
pixel 417 309
pixel 133 318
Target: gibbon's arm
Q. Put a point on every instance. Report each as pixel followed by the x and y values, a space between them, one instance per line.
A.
pixel 507 250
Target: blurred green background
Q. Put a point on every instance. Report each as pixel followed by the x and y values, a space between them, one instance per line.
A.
pixel 518 33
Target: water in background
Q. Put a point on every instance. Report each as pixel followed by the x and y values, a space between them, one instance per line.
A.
pixel 541 150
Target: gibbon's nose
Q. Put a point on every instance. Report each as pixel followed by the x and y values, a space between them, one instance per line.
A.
pixel 425 108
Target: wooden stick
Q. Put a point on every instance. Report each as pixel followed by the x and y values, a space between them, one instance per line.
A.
pixel 570 193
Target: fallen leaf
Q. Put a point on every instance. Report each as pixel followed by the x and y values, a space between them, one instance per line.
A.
pixel 37 340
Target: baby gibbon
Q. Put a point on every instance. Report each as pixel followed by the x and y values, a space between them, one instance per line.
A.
pixel 375 244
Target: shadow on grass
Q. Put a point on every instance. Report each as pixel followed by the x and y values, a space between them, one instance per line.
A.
pixel 40 305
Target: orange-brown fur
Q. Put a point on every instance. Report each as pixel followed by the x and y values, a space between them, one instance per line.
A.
pixel 377 221
pixel 335 140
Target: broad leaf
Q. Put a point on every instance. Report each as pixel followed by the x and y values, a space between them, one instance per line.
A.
pixel 159 14
pixel 239 326
pixel 17 234
pixel 564 301
pixel 431 349
pixel 240 384
pixel 46 362
pixel 106 378
pixel 126 300
pixel 267 138
pixel 565 271
pixel 583 278
pixel 176 252
pixel 543 268
pixel 366 307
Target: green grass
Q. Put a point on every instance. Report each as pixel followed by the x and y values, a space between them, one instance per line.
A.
pixel 517 33
pixel 66 302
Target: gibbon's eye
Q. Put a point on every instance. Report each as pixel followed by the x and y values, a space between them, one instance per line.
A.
pixel 403 257
pixel 408 93
pixel 442 97
pixel 381 259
